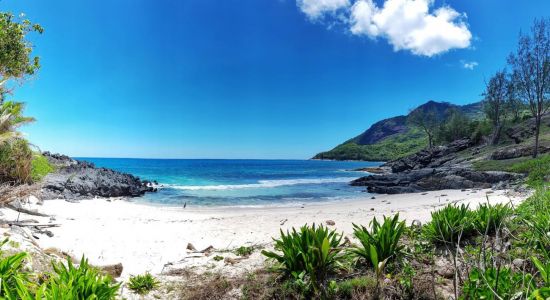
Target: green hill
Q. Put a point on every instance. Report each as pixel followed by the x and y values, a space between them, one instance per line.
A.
pixel 393 138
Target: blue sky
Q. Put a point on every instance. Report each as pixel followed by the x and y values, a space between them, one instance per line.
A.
pixel 251 78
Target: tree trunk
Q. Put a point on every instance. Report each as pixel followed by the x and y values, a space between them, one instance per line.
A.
pixel 496 134
pixel 430 142
pixel 537 131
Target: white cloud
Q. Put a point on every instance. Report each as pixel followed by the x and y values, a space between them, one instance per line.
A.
pixel 317 8
pixel 407 24
pixel 470 65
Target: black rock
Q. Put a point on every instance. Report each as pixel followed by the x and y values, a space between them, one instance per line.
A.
pixel 74 180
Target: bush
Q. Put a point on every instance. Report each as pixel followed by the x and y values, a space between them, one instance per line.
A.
pixel 12 277
pixel 143 284
pixel 502 281
pixel 449 224
pixel 15 162
pixel 84 282
pixel 308 255
pixel 244 251
pixel 381 243
pixel 40 167
pixel 538 169
pixel 490 218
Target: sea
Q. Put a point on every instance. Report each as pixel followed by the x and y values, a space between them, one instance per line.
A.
pixel 242 182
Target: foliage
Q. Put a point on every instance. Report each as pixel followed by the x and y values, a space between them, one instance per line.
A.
pixel 244 251
pixel 538 169
pixel 491 218
pixel 82 282
pixel 381 243
pixel 11 118
pixel 143 284
pixel 16 59
pixel 530 65
pixel 308 255
pixel 40 167
pixel 16 162
pixel 456 126
pixel 390 148
pixel 506 283
pixel 450 224
pixel 494 102
pixel 12 277
pixel 426 119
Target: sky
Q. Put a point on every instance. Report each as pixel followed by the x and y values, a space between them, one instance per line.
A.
pixel 272 79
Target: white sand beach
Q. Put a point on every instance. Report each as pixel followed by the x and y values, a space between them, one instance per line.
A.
pixel 147 237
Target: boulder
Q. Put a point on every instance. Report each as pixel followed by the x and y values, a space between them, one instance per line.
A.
pixel 516 151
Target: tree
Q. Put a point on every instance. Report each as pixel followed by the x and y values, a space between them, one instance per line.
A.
pixel 531 70
pixel 16 60
pixel 456 126
pixel 11 118
pixel 494 103
pixel 426 119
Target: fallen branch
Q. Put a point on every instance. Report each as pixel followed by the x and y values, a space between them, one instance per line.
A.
pixel 25 211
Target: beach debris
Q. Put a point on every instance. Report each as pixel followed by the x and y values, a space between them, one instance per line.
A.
pixel 208 250
pixel 191 247
pixel 232 261
pixel 424 194
pixel 416 223
pixel 372 209
pixel 373 197
pixel 113 270
pixel 61 254
pixel 330 222
pixel 283 222
pixel 185 205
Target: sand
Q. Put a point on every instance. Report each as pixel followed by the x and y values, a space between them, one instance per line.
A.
pixel 151 238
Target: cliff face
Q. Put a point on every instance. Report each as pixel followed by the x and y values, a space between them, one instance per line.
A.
pixel 392 138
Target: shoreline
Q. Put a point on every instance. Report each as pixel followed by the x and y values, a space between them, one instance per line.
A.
pixel 151 238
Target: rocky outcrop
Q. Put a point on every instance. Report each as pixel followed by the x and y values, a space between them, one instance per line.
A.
pixel 431 179
pixel 79 179
pixel 524 130
pixel 517 151
pixel 430 158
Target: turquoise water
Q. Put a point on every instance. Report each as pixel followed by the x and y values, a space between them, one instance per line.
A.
pixel 242 182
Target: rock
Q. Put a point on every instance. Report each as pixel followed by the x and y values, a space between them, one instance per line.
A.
pixel 516 151
pixel 372 209
pixel 374 170
pixel 75 180
pixel 191 247
pixel 429 158
pixel 525 130
pixel 429 179
pixel 373 197
pixel 518 263
pixel 330 222
pixel 113 270
pixel 444 268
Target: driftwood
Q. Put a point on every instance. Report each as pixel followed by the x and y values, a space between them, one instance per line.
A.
pixel 21 224
pixel 25 211
pixel 11 192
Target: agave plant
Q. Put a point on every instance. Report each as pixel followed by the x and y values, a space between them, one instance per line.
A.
pixel 82 282
pixel 381 243
pixel 143 284
pixel 450 224
pixel 312 251
pixel 11 118
pixel 490 218
pixel 12 276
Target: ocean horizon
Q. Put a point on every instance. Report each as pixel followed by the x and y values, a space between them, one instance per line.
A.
pixel 241 182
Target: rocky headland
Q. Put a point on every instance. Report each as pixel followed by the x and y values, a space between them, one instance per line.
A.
pixel 73 180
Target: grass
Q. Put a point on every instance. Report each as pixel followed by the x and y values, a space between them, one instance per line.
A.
pixel 143 284
pixel 244 251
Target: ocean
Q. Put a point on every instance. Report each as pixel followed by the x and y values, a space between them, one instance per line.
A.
pixel 236 182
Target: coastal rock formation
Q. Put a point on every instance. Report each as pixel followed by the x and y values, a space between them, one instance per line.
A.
pixel 430 179
pixel 78 180
pixel 515 152
pixel 429 158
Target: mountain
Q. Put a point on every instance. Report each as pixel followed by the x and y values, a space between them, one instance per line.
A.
pixel 393 138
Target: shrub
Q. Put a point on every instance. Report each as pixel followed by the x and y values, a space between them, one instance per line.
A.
pixel 143 284
pixel 449 224
pixel 12 278
pixel 490 218
pixel 308 255
pixel 15 161
pixel 381 243
pixel 538 169
pixel 84 282
pixel 244 251
pixel 502 281
pixel 40 167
